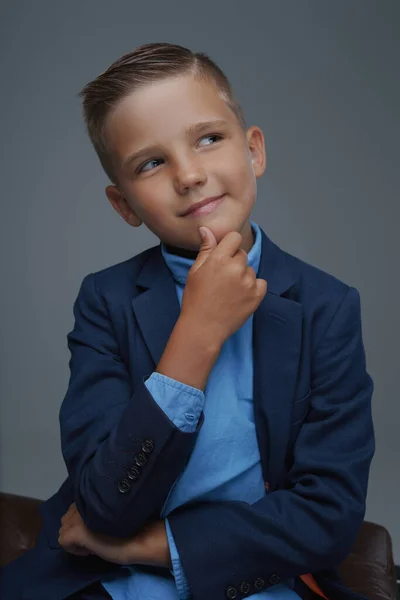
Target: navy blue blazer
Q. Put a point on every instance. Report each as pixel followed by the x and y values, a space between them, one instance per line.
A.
pixel 312 404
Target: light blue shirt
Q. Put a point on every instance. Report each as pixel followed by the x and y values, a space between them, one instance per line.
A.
pixel 225 463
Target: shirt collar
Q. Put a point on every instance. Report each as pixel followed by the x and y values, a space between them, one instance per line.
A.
pixel 179 265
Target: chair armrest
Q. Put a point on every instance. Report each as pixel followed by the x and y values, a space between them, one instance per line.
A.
pixel 20 524
pixel 369 568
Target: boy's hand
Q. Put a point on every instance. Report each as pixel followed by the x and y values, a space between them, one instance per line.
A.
pixel 148 547
pixel 221 291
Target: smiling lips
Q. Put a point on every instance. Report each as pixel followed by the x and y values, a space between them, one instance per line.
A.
pixel 204 207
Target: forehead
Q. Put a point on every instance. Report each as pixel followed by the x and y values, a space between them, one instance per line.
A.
pixel 161 111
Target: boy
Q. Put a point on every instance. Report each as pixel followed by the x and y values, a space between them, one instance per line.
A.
pixel 217 425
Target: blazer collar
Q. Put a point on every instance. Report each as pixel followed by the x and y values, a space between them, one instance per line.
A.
pixel 273 267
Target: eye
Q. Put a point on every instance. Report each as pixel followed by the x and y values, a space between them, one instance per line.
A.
pixel 149 162
pixel 212 135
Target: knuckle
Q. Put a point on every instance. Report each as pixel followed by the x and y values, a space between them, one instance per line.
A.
pixel 262 287
pixel 223 260
pixel 236 268
pixel 250 277
pixel 248 280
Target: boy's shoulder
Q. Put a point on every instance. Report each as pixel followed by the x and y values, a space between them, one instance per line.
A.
pixel 322 297
pixel 304 282
pixel 121 278
pixel 314 280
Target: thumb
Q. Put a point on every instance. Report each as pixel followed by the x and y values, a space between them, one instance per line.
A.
pixel 208 243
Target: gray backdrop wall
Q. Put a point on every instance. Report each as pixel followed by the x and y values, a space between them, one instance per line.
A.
pixel 320 78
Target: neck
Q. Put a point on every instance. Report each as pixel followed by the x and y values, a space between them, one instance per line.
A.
pixel 185 253
pixel 181 251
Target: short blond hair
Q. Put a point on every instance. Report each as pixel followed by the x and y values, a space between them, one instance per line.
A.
pixel 145 64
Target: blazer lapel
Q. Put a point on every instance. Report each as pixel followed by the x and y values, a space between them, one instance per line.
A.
pixel 277 334
pixel 157 308
pixel 276 341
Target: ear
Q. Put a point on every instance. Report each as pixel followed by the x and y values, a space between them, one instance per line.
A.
pixel 256 143
pixel 121 205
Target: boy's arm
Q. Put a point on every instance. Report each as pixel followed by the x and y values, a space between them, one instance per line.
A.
pixel 312 524
pixel 121 450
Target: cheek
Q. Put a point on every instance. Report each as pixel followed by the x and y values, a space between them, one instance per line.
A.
pixel 235 165
pixel 148 200
pixel 241 178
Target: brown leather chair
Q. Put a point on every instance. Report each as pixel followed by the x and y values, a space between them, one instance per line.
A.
pixel 369 569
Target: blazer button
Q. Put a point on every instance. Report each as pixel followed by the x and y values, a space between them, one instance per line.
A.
pixel 231 592
pixel 123 486
pixel 274 579
pixel 259 583
pixel 148 446
pixel 245 587
pixel 141 459
pixel 133 473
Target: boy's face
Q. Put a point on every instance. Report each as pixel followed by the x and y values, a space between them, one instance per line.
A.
pixel 183 161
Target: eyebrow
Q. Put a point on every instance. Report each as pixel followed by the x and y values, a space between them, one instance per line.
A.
pixel 191 130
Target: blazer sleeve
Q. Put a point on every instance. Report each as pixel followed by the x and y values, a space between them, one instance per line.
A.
pixel 312 524
pixel 121 450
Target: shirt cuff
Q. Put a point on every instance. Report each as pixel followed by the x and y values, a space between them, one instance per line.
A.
pixel 181 582
pixel 180 402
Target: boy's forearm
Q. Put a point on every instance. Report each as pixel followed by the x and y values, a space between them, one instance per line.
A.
pixel 190 354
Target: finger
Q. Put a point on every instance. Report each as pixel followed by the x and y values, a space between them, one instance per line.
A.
pixel 79 551
pixel 208 244
pixel 229 244
pixel 69 544
pixel 74 537
pixel 251 274
pixel 240 260
pixel 261 287
pixel 67 516
pixel 71 515
pixel 73 520
pixel 73 548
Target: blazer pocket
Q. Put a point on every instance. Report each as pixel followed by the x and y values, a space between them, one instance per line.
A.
pixel 300 408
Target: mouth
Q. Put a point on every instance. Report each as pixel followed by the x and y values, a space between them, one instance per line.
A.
pixel 204 207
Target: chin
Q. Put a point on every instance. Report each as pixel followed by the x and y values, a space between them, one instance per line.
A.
pixel 221 229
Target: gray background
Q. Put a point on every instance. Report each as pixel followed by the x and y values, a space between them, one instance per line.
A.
pixel 322 81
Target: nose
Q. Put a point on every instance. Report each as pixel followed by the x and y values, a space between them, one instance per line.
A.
pixel 189 173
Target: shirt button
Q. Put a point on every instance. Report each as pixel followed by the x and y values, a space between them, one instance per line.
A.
pixel 123 486
pixel 133 473
pixel 259 583
pixel 148 446
pixel 274 579
pixel 141 459
pixel 231 592
pixel 245 587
